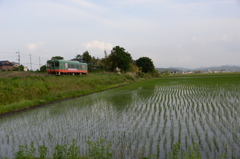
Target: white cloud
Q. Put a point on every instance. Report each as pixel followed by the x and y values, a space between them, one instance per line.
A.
pixel 33 46
pixel 98 45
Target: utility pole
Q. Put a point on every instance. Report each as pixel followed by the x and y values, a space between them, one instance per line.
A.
pixel 18 60
pixel 30 62
pixel 39 63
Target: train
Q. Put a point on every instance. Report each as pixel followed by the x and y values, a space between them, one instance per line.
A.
pixel 59 67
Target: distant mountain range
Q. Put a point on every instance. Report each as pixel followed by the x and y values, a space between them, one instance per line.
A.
pixel 228 68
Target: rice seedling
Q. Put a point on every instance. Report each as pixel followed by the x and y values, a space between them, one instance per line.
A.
pixel 155 114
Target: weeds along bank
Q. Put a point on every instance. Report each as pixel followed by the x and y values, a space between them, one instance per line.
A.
pixel 21 92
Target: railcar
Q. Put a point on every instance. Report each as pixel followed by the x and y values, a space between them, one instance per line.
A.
pixel 59 67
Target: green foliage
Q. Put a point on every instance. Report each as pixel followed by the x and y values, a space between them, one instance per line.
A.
pixel 95 61
pixel 120 58
pixel 193 152
pixel 73 150
pixel 57 58
pixel 20 68
pixel 98 150
pixel 43 68
pixel 19 92
pixel 78 57
pixel 145 64
pixel 60 152
pixel 140 74
pixel 90 67
pixel 155 73
pixel 43 151
pixel 133 68
pixel 165 73
pixel 86 57
pixel 25 152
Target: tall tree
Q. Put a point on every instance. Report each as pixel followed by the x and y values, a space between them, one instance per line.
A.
pixel 145 64
pixel 120 58
pixel 86 57
pixel 43 68
pixel 78 57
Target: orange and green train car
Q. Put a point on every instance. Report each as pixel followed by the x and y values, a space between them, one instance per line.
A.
pixel 59 67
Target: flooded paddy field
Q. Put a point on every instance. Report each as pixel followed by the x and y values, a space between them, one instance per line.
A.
pixel 139 120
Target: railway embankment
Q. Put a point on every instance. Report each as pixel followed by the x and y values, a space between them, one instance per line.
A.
pixel 20 93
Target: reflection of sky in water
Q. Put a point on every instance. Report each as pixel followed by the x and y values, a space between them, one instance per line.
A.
pixel 140 116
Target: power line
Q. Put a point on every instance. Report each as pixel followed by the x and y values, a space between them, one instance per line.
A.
pixel 6 52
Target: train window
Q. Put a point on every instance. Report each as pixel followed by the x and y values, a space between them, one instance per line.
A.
pixel 49 64
pixel 72 65
pixel 57 64
pixel 77 66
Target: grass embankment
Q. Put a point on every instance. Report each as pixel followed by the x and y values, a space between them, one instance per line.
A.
pixel 25 91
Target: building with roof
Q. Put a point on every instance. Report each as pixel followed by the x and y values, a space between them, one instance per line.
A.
pixel 6 65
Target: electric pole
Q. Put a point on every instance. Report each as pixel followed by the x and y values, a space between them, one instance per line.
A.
pixel 30 62
pixel 18 60
pixel 39 63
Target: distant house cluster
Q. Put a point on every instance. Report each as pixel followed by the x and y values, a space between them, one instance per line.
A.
pixel 9 66
pixel 6 65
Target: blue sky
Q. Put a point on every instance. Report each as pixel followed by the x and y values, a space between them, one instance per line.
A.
pixel 173 33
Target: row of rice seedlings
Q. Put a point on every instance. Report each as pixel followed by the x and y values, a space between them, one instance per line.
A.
pixel 104 121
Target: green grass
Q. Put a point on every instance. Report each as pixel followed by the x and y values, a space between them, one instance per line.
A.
pixel 24 91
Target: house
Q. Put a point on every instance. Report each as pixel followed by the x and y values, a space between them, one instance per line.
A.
pixel 15 64
pixel 25 69
pixel 6 65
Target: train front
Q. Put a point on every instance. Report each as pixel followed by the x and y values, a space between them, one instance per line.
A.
pixel 52 66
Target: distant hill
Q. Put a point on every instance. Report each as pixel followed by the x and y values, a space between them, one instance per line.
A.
pixel 228 68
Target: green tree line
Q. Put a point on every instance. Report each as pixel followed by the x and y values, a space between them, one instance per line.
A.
pixel 118 58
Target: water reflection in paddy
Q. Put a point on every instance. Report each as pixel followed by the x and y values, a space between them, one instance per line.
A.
pixel 140 119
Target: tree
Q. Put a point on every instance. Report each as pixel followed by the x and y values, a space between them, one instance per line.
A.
pixel 86 57
pixel 106 61
pixel 43 68
pixel 20 68
pixel 146 64
pixel 57 58
pixel 78 57
pixel 120 58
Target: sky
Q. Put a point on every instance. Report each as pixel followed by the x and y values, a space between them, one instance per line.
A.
pixel 173 33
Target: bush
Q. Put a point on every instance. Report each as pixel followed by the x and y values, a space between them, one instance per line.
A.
pixel 155 73
pixel 130 76
pixel 140 74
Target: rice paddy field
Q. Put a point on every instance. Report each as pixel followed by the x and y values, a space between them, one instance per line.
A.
pixel 141 119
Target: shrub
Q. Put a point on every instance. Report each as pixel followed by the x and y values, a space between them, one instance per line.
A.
pixel 140 74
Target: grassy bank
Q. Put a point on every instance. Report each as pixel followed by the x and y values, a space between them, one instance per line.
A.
pixel 25 91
